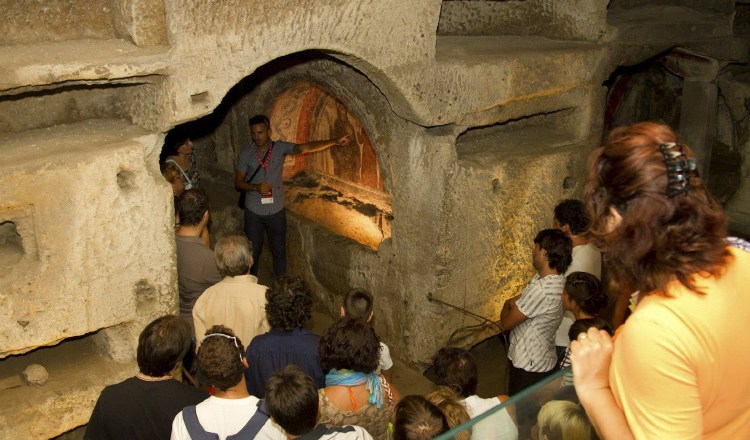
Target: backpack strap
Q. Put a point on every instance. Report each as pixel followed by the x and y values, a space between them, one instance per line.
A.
pixel 194 428
pixel 254 425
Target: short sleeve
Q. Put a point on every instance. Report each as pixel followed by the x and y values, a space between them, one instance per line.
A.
pixel 243 160
pixel 286 147
pixel 385 358
pixel 654 383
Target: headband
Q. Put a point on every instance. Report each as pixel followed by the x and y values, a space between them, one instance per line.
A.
pixel 233 338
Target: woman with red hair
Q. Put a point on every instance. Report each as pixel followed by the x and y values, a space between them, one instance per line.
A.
pixel 679 367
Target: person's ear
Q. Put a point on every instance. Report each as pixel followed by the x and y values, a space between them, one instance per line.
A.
pixel 244 362
pixel 369 318
pixel 205 217
pixel 613 220
pixel 342 312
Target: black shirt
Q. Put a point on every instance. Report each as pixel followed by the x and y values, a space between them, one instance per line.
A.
pixel 138 409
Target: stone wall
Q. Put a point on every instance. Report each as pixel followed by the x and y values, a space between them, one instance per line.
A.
pixel 480 115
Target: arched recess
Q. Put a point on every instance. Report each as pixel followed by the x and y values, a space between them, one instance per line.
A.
pixel 340 189
pixel 309 96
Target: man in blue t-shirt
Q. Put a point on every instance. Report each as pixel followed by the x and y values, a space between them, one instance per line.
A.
pixel 258 174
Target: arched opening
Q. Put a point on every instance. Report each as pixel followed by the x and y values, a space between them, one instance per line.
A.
pixel 342 189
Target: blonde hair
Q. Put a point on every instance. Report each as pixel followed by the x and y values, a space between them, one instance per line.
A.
pixel 563 420
pixel 453 409
pixel 169 171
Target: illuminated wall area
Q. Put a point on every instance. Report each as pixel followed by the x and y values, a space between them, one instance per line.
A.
pixel 340 188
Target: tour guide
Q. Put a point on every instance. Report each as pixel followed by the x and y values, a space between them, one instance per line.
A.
pixel 258 173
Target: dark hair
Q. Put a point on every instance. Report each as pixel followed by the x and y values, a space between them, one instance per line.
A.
pixel 573 213
pixel 583 325
pixel 456 369
pixel 418 419
pixel 558 246
pixel 174 140
pixel 658 238
pixel 288 303
pixel 162 344
pixel 220 357
pixel 358 304
pixel 349 344
pixel 586 290
pixel 259 119
pixel 191 205
pixel 292 400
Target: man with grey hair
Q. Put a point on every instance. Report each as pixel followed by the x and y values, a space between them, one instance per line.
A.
pixel 238 301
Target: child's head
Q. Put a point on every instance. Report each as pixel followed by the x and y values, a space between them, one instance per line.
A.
pixel 292 400
pixel 454 411
pixel 456 369
pixel 221 357
pixel 583 325
pixel 418 419
pixel 563 420
pixel 357 305
pixel 583 291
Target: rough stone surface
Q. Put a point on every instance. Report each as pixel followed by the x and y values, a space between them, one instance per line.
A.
pixel 479 115
pixel 35 374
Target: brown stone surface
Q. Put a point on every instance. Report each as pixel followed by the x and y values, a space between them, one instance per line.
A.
pixel 473 136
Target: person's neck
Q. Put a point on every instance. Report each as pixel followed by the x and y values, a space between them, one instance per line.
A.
pixel 579 314
pixel 147 378
pixel 547 271
pixel 190 231
pixel 264 146
pixel 578 240
pixel 238 391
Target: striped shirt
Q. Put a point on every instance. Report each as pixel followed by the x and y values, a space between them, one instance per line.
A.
pixel 532 346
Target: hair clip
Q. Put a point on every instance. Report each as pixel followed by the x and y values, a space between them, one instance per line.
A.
pixel 233 338
pixel 679 168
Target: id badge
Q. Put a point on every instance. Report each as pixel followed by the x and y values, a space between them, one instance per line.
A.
pixel 266 198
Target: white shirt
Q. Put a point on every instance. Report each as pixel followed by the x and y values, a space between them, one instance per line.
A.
pixel 385 362
pixel 226 417
pixel 586 258
pixel 497 426
pixel 532 345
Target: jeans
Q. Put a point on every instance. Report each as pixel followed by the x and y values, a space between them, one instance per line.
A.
pixel 256 226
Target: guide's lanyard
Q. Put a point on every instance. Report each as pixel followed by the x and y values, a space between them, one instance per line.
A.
pixel 265 198
pixel 266 160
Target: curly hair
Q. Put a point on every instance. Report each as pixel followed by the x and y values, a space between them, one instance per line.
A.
pixel 349 344
pixel 558 246
pixel 418 419
pixel 586 290
pixel 647 238
pixel 220 357
pixel 573 213
pixel 288 303
pixel 456 369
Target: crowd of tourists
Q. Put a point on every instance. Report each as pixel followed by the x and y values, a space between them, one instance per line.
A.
pixel 646 243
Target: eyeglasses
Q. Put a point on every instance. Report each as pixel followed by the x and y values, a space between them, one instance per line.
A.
pixel 233 338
